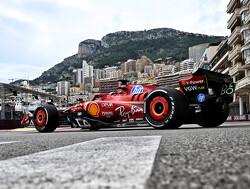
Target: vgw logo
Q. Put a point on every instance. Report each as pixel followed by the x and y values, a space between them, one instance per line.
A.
pixel 190 88
pixel 137 89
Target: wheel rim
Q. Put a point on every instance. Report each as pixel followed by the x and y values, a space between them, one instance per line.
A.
pixel 158 108
pixel 40 118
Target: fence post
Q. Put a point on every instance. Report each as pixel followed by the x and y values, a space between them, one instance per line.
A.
pixel 2 96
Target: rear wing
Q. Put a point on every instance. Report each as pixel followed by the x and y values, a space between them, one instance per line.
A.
pixel 207 86
pixel 219 77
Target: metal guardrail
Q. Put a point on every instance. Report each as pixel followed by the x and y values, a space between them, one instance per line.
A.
pixel 10 90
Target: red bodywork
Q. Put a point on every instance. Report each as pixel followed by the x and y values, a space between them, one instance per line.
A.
pixel 204 99
pixel 127 103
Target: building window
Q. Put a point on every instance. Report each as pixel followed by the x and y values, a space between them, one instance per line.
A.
pixel 244 56
pixel 243 16
pixel 241 3
pixel 206 67
pixel 244 34
pixel 248 72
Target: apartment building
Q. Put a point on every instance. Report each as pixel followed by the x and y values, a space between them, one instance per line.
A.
pixel 115 74
pixel 172 80
pixel 108 85
pixel 208 54
pixel 130 66
pixel 196 52
pixel 99 73
pixel 238 56
pixel 187 64
pixel 87 70
pixel 63 88
pixel 77 76
pixel 108 70
pixel 219 62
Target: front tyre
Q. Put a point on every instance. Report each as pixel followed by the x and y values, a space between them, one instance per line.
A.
pixel 46 118
pixel 165 108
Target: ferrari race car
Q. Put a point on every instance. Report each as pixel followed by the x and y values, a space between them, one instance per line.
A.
pixel 202 99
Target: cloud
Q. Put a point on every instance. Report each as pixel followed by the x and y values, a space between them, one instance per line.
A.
pixel 17 71
pixel 14 14
pixel 41 33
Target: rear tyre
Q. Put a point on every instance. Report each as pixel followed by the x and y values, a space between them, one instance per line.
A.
pixel 46 118
pixel 165 108
pixel 214 116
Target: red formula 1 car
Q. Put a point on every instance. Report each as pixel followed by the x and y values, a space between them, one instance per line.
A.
pixel 202 99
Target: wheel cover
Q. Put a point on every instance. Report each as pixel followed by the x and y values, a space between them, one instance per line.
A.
pixel 40 118
pixel 158 108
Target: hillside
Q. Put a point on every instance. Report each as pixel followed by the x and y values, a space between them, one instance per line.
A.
pixel 120 46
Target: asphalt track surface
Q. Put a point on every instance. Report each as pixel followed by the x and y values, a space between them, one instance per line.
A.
pixel 136 157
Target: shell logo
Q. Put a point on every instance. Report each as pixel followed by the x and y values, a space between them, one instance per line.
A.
pixel 94 109
pixel 183 83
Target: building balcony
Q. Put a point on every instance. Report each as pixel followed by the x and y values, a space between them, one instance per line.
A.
pixel 247 18
pixel 234 37
pixel 247 40
pixel 233 71
pixel 225 71
pixel 243 84
pixel 246 2
pixel 232 5
pixel 234 20
pixel 233 54
pixel 247 62
pixel 220 62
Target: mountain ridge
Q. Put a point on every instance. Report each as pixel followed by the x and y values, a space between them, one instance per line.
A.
pixel 120 46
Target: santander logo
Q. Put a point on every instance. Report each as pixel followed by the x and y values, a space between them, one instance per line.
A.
pixel 137 89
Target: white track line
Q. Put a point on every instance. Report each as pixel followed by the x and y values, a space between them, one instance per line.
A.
pixel 115 162
pixel 9 142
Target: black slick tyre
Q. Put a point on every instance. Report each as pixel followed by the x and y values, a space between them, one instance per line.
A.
pixel 165 108
pixel 46 118
pixel 214 116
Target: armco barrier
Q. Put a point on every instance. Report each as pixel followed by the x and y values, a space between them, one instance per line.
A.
pixel 245 117
pixel 10 124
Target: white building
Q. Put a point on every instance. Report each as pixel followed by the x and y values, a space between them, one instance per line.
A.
pixel 99 73
pixel 197 51
pixel 108 70
pixel 115 74
pixel 77 76
pixel 87 70
pixel 63 88
pixel 206 58
pixel 187 65
pixel 148 70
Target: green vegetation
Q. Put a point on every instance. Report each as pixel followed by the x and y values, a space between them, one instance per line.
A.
pixel 175 47
pixel 120 46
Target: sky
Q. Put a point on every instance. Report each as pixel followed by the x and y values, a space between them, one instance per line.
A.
pixel 37 34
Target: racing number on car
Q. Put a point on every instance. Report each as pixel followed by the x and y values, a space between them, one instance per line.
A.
pixel 227 89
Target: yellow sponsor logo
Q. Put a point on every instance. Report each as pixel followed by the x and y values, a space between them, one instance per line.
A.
pixel 94 109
